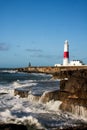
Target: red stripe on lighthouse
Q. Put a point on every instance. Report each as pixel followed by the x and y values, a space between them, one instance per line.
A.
pixel 66 54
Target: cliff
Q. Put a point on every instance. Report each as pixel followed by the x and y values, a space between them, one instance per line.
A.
pixel 75 89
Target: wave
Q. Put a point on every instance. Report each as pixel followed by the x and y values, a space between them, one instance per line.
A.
pixel 79 112
pixel 23 111
pixel 9 71
pixel 33 110
pixel 9 88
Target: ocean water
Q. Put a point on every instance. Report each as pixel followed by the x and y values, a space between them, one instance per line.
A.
pixel 28 111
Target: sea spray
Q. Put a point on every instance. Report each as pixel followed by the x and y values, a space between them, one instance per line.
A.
pixel 49 95
pixel 53 105
pixel 33 98
pixel 14 109
pixel 79 112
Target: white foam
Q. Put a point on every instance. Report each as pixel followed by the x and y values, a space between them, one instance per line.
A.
pixel 9 71
pixel 45 96
pixel 6 116
pixel 31 121
pixel 53 105
pixel 21 110
pixel 24 110
pixel 9 88
pixel 25 83
pixel 42 74
pixel 80 112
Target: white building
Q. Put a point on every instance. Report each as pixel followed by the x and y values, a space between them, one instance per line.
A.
pixel 57 65
pixel 76 63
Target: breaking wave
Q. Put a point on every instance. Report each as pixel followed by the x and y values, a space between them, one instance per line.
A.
pixel 32 111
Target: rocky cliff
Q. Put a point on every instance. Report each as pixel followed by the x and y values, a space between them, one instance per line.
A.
pixel 72 94
pixel 75 89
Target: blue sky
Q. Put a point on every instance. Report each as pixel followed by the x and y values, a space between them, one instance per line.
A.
pixel 35 30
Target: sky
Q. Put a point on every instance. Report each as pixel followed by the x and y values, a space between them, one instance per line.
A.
pixel 35 30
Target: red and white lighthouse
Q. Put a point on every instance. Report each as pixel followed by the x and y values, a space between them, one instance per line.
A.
pixel 66 54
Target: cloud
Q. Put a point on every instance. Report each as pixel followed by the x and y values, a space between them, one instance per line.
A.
pixel 47 56
pixel 44 56
pixel 4 47
pixel 33 50
pixel 40 54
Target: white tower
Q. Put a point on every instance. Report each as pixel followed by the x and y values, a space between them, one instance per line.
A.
pixel 66 54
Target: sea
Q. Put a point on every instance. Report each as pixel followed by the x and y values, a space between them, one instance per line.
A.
pixel 28 111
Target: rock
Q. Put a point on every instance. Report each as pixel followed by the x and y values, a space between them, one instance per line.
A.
pixel 76 87
pixel 47 96
pixel 69 102
pixel 21 92
pixel 54 95
pixel 12 127
pixel 22 127
pixel 70 73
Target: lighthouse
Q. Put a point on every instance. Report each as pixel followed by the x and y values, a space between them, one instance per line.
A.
pixel 66 54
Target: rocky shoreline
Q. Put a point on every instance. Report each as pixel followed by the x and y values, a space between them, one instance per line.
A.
pixel 76 89
pixel 72 93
